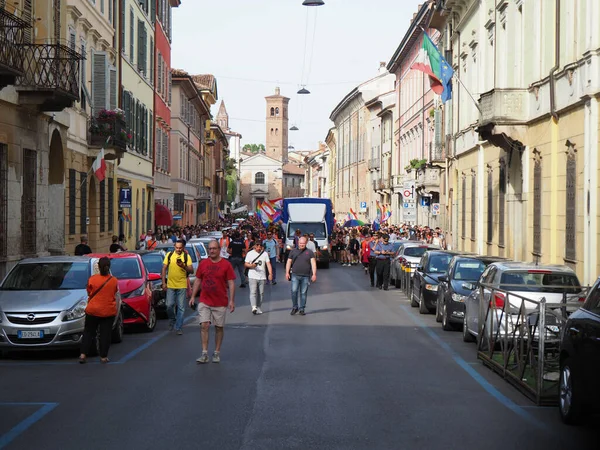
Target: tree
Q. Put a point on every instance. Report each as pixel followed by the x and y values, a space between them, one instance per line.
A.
pixel 254 148
pixel 231 187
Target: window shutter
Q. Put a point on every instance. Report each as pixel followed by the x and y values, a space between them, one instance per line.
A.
pixel 83 203
pixel 122 25
pixel 103 206
pixel 72 200
pixel 473 205
pixel 153 11
pixel 160 74
pixel 170 87
pixel 111 203
pixel 131 35
pixel 99 81
pixel 72 39
pixel 152 61
pixel 166 145
pixel 537 208
pixel 570 209
pixel 27 16
pixel 113 87
pixel 501 201
pixel 140 45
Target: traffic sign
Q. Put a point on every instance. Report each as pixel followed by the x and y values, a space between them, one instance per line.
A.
pixel 408 190
pixel 435 209
pixel 363 206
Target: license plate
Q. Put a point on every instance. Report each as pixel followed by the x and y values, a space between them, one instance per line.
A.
pixel 38 334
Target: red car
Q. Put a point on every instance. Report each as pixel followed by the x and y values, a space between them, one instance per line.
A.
pixel 135 288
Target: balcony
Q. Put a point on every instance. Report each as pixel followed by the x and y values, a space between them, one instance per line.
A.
pixel 109 130
pixel 398 181
pixel 50 79
pixel 387 183
pixel 262 188
pixel 11 49
pixel 204 193
pixel 504 107
pixel 429 178
pixel 374 164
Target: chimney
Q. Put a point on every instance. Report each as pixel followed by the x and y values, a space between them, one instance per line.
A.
pixel 277 91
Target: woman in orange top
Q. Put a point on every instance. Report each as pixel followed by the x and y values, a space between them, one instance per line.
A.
pixel 100 311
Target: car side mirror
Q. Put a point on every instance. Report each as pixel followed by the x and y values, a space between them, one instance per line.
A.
pixel 443 278
pixel 419 268
pixel 153 277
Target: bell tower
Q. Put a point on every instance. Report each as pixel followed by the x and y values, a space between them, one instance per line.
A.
pixel 223 117
pixel 277 126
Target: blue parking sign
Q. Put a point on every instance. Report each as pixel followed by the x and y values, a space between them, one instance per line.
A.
pixel 125 198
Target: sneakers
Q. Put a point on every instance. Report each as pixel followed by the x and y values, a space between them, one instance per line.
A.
pixel 258 311
pixel 254 310
pixel 293 311
pixel 179 332
pixel 302 313
pixel 273 282
pixel 203 359
pixel 216 358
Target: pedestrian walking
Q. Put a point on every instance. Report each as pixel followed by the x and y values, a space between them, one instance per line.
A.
pixel 237 252
pixel 178 265
pixel 257 264
pixel 373 259
pixel 100 312
pixel 215 280
pixel 301 268
pixel 384 252
pixel 271 247
pixel 83 248
pixel 115 247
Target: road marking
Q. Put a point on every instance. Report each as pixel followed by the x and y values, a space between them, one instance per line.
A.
pixel 24 425
pixel 486 385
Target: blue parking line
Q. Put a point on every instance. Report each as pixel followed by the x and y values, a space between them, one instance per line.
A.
pixel 24 425
pixel 504 400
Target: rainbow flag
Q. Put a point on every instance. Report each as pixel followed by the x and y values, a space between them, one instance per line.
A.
pixel 353 213
pixel 378 215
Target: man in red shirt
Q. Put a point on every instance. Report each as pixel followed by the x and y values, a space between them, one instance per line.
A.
pixel 214 277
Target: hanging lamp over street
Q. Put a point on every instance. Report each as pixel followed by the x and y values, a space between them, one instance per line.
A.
pixel 313 3
pixel 303 91
pixel 294 128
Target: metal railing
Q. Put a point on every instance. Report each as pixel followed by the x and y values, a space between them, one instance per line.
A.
pixel 519 338
pixel 12 37
pixel 101 128
pixel 52 67
pixel 204 193
pixel 375 185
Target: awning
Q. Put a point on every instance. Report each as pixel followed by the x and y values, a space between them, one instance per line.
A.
pixel 241 209
pixel 163 216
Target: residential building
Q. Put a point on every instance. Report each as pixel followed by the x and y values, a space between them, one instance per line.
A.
pixel 39 80
pixel 161 79
pixel 136 77
pixel 261 179
pixel 417 133
pixel 235 147
pixel 293 180
pixel 330 142
pixel 317 172
pixel 220 152
pixel 187 155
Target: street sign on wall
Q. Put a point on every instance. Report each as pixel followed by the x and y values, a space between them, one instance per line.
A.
pixel 408 190
pixel 363 207
pixel 125 198
pixel 435 209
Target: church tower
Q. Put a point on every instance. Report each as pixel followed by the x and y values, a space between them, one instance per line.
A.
pixel 277 126
pixel 223 117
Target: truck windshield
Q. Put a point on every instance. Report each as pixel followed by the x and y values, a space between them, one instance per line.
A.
pixel 318 229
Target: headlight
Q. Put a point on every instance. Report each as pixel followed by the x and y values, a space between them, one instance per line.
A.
pixel 431 287
pixel 458 298
pixel 139 291
pixel 324 247
pixel 77 311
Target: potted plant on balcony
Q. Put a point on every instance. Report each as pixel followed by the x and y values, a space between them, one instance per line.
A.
pixel 117 113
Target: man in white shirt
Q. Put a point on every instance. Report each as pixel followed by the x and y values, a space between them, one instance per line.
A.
pixel 258 262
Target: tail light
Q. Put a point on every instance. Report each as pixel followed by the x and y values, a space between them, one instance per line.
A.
pixel 498 300
pixel 581 299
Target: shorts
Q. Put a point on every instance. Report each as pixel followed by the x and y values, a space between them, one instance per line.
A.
pixel 212 314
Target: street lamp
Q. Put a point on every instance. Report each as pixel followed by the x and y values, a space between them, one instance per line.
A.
pixel 313 3
pixel 303 91
pixel 294 128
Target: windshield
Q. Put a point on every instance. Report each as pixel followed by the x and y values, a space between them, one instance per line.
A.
pixel 153 262
pixel 125 268
pixel 200 249
pixel 48 277
pixel 540 282
pixel 318 229
pixel 469 270
pixel 189 252
pixel 438 263
pixel 396 245
pixel 415 251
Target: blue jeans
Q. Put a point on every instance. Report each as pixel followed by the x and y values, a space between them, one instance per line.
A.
pixel 299 283
pixel 273 262
pixel 176 296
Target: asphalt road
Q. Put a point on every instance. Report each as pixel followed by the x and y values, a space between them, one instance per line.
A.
pixel 362 370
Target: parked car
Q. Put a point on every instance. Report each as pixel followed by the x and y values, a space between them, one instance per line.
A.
pixel 408 256
pixel 43 301
pixel 200 247
pixel 134 285
pixel 580 361
pixel 455 287
pixel 153 262
pixel 433 264
pixel 395 268
pixel 189 249
pixel 528 280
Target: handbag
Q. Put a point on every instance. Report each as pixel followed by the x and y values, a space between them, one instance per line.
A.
pixel 255 259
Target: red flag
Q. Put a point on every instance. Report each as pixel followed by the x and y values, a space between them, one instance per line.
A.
pixel 99 166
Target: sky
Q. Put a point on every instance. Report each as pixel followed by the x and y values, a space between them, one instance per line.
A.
pixel 252 46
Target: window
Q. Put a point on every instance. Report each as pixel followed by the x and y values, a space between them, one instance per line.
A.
pixel 72 38
pixel 276 112
pixel 72 200
pixel 100 81
pixel 473 205
pixel 272 131
pixel 272 114
pixel 103 206
pixel 3 199
pixel 490 206
pixel 570 207
pixel 276 131
pixel 259 178
pixel 537 207
pixel 593 301
pixel 464 207
pixel 123 29
pixel 29 203
pixel 102 6
pixel 152 61
pixel 142 48
pixel 501 201
pixel 83 203
pixel 131 35
pixel 111 203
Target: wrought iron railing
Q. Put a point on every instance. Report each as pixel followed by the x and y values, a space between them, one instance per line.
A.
pixel 51 67
pixel 204 193
pixel 100 129
pixel 374 163
pixel 11 40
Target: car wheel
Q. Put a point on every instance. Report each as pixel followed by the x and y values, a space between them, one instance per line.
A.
pixel 422 307
pixel 467 337
pixel 569 403
pixel 446 325
pixel 438 310
pixel 151 322
pixel 117 332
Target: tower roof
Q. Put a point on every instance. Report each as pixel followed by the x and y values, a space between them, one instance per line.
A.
pixel 222 110
pixel 277 95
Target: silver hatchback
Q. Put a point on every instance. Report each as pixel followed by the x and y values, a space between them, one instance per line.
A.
pixel 43 301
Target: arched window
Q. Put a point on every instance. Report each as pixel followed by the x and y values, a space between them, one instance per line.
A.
pixel 271 131
pixel 272 111
pixel 276 131
pixel 259 178
pixel 277 111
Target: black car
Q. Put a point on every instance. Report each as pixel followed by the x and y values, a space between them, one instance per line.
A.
pixel 462 278
pixel 433 265
pixel 580 361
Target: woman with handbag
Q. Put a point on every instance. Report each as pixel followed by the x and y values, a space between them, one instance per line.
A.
pixel 100 311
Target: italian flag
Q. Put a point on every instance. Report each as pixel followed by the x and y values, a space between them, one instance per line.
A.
pixel 99 166
pixel 430 61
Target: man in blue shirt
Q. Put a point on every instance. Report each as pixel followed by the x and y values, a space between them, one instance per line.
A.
pixel 270 245
pixel 384 251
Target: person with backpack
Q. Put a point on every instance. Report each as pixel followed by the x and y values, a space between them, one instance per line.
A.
pixel 178 264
